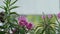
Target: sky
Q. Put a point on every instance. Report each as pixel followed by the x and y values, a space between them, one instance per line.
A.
pixel 33 7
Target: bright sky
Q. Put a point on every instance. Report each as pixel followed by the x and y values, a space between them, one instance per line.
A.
pixel 36 6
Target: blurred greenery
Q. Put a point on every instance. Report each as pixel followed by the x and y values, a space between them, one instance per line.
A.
pixel 38 19
pixel 39 24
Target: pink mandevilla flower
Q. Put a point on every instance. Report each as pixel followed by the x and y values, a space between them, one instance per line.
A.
pixel 29 26
pixel 58 15
pixel 50 16
pixel 22 18
pixel 22 21
pixel 43 17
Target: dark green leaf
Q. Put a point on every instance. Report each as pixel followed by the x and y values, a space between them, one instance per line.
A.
pixel 43 31
pixel 13 2
pixel 1 7
pixel 38 31
pixel 2 32
pixel 52 29
pixel 13 7
pixel 13 13
pixel 37 27
pixel 1 27
pixel 22 31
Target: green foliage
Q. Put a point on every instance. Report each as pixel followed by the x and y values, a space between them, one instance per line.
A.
pixel 58 25
pixel 45 26
pixel 10 20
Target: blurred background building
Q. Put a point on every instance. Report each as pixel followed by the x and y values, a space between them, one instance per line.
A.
pixel 28 7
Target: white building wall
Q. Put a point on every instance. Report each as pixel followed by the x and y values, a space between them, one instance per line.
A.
pixel 36 6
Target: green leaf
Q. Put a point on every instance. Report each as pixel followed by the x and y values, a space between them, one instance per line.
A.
pixel 39 31
pixel 2 32
pixel 52 29
pixel 37 27
pixel 1 27
pixel 13 13
pixel 22 31
pixel 13 7
pixel 1 7
pixel 43 31
pixel 4 8
pixel 7 2
pixel 13 2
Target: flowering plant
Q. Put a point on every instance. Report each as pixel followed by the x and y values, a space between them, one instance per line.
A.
pixel 22 21
pixel 10 25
